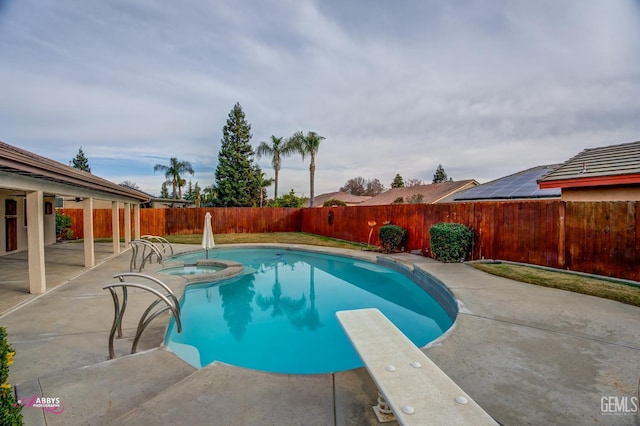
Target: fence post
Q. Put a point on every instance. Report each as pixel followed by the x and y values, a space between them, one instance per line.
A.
pixel 561 233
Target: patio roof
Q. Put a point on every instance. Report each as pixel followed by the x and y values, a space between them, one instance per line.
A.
pixel 20 162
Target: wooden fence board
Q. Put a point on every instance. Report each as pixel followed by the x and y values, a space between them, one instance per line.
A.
pixel 600 238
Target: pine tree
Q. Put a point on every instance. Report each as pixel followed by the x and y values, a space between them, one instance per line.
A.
pixel 397 182
pixel 81 162
pixel 236 182
pixel 440 175
pixel 164 191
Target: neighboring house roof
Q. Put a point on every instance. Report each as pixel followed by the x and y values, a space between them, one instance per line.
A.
pixel 604 166
pixel 431 193
pixel 347 198
pixel 521 185
pixel 21 162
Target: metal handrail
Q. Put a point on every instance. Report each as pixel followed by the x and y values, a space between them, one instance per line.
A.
pixel 170 303
pixel 135 249
pixel 164 243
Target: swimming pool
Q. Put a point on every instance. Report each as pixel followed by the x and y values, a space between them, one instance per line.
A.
pixel 279 315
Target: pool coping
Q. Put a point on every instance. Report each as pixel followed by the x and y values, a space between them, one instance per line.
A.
pixel 551 353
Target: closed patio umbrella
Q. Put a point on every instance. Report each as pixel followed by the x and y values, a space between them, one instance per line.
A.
pixel 207 235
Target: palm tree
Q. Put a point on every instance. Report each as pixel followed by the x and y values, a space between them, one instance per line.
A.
pixel 172 173
pixel 308 145
pixel 263 183
pixel 276 150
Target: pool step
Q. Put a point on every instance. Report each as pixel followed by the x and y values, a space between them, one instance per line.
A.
pixel 221 394
pixel 99 393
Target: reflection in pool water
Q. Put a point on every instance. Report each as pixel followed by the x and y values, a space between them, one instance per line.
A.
pixel 281 317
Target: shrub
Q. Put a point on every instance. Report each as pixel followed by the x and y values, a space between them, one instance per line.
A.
pixel 450 242
pixel 10 412
pixel 63 223
pixel 392 237
pixel 287 200
pixel 333 203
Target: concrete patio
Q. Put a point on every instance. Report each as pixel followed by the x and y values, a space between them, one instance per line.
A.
pixel 526 354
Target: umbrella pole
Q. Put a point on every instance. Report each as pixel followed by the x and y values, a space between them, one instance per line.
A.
pixel 207 250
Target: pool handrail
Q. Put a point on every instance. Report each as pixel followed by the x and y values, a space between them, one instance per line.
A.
pixel 170 303
pixel 135 249
pixel 164 243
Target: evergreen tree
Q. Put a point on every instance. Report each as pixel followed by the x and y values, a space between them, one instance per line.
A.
pixel 397 182
pixel 164 191
pixel 81 162
pixel 440 175
pixel 188 194
pixel 236 182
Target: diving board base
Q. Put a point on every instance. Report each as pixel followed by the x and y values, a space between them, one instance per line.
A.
pixel 415 388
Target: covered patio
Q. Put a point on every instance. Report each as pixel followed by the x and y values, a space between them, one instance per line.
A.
pixel 29 184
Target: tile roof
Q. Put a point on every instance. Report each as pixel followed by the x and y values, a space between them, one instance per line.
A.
pixel 521 185
pixel 350 199
pixel 431 193
pixel 610 163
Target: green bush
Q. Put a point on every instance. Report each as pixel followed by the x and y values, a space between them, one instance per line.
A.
pixel 288 200
pixel 10 412
pixel 392 237
pixel 332 202
pixel 450 242
pixel 63 223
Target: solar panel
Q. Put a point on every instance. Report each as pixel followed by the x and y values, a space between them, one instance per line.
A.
pixel 519 185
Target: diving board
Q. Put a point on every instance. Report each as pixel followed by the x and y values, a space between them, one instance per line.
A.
pixel 414 387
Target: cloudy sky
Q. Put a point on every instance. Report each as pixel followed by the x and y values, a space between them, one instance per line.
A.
pixel 485 88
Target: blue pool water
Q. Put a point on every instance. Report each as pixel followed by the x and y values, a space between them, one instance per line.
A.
pixel 280 315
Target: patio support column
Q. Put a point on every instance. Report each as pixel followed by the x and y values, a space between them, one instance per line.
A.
pixel 127 224
pixel 87 223
pixel 35 240
pixel 136 221
pixel 115 225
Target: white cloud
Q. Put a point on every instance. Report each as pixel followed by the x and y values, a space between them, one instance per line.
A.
pixel 486 89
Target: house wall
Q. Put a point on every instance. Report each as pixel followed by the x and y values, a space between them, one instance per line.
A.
pixel 49 222
pixel 601 194
pixel 71 203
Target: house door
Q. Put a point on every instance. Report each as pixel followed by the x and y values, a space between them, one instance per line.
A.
pixel 11 225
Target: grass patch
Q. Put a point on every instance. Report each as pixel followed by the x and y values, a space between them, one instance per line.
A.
pixel 571 282
pixel 271 237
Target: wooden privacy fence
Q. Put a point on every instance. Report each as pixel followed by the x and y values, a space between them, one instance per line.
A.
pixel 594 237
pixel 224 220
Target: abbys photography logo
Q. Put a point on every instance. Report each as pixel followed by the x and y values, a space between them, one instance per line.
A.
pixel 50 405
pixel 619 405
